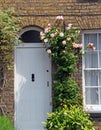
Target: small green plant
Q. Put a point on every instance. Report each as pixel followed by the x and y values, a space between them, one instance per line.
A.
pixel 5 123
pixel 72 118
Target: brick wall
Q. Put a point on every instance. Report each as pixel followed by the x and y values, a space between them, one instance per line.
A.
pixel 83 14
pixel 86 15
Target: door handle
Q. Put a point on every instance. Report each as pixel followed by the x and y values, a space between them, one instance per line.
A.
pixel 33 77
pixel 47 83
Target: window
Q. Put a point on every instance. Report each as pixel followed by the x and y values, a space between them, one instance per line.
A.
pixel 92 72
pixel 30 34
pixel 83 1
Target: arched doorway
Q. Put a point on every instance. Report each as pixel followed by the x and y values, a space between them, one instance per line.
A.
pixel 32 81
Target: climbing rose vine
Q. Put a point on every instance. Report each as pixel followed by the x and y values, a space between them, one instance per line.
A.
pixel 59 36
pixel 62 45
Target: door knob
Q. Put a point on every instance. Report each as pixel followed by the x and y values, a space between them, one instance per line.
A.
pixel 33 77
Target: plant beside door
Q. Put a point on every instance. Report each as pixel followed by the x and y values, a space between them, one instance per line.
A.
pixel 65 50
pixel 6 123
pixel 9 27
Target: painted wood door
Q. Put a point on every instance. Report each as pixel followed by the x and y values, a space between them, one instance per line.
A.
pixel 32 86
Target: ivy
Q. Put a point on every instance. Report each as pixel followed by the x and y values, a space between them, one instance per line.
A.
pixel 9 27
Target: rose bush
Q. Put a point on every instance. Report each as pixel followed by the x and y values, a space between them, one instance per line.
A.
pixel 63 47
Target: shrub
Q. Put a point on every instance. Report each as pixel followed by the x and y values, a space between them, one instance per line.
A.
pixel 68 119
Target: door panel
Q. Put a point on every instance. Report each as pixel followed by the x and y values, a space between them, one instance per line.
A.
pixel 32 98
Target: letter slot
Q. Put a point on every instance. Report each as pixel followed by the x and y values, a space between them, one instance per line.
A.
pixel 33 77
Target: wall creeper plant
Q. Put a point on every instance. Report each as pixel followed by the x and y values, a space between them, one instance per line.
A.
pixel 9 28
pixel 63 47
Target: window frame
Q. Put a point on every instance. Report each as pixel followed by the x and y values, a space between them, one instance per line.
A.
pixel 91 108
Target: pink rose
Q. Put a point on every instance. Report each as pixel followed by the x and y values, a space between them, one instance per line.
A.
pixel 69 26
pixel 64 42
pixel 42 35
pixel 49 51
pixel 80 45
pixel 49 25
pixel 91 46
pixel 68 38
pixel 52 35
pixel 46 40
pixel 59 18
pixel 75 45
pixel 61 34
pixel 47 29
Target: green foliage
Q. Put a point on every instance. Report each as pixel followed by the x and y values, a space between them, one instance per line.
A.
pixel 9 27
pixel 5 123
pixel 66 93
pixel 66 65
pixel 64 50
pixel 72 118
